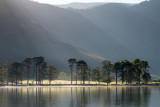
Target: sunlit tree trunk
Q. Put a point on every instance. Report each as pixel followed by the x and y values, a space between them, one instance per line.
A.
pixel 76 75
pixel 71 73
pixel 28 76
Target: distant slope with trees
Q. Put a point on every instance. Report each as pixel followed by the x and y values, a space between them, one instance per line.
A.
pixel 115 31
pixel 21 36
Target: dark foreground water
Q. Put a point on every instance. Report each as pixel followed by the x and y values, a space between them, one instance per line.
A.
pixel 80 97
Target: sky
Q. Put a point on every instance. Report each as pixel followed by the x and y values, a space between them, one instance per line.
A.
pixel 56 2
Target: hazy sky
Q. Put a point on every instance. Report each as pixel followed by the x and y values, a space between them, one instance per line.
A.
pixel 85 1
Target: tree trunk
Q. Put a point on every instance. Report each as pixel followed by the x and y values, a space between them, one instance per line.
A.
pixel 36 75
pixel 99 77
pixel 139 78
pixel 28 77
pixel 108 77
pixel 16 80
pixel 89 77
pixel 122 77
pixel 21 81
pixel 50 82
pixel 130 78
pixel 83 77
pixel 50 78
pixel 71 74
pixel 40 75
pixel 126 82
pixel 76 75
pixel 22 75
pixel 116 76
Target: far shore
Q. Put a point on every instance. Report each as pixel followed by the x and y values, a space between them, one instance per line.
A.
pixel 75 86
pixel 67 84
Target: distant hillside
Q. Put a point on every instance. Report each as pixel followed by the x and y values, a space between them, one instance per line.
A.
pixel 21 36
pixel 77 30
pixel 114 31
pixel 137 27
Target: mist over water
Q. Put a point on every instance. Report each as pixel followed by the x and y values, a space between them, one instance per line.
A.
pixel 80 97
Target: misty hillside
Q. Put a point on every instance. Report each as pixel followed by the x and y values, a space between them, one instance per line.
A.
pixel 137 27
pixel 114 31
pixel 77 30
pixel 21 36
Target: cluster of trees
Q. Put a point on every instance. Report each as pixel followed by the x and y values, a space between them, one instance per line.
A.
pixel 131 71
pixel 80 65
pixel 35 69
pixel 125 71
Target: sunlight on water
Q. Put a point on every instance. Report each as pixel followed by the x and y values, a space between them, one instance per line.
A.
pixel 80 97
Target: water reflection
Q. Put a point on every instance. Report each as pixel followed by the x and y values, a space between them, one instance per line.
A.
pixel 78 97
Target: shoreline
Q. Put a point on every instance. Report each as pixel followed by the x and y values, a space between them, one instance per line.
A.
pixel 76 86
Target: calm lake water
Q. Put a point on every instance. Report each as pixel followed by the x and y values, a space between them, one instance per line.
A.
pixel 80 97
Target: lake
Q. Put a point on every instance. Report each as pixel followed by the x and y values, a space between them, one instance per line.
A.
pixel 80 97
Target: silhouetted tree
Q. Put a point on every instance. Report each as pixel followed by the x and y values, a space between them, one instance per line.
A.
pixel 35 61
pixel 21 73
pixel 108 66
pixel 15 73
pixel 96 75
pixel 138 68
pixel 71 62
pixel 89 74
pixel 83 66
pixel 127 66
pixel 122 71
pixel 27 62
pixel 77 68
pixel 146 77
pixel 38 61
pixel 43 71
pixel 8 66
pixel 144 66
pixel 1 74
pixel 117 68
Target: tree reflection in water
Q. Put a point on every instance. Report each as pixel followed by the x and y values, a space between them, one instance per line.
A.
pixel 77 97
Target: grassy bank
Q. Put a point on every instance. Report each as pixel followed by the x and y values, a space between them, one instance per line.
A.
pixel 68 83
